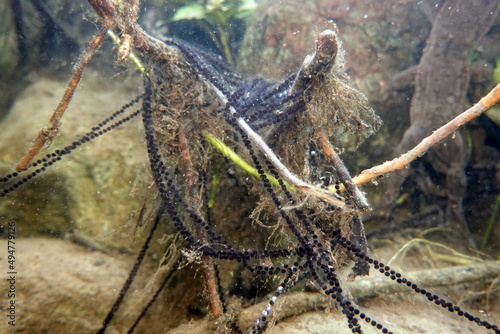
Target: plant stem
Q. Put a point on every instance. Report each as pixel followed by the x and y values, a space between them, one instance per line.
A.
pixel 489 228
pixel 231 155
pixel 133 58
pixel 206 261
pixel 215 184
pixel 225 45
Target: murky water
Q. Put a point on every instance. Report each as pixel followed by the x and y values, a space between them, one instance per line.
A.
pixel 73 224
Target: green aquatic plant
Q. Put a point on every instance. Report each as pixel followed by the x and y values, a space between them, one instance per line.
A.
pixel 496 71
pixel 227 152
pixel 214 17
pixel 491 224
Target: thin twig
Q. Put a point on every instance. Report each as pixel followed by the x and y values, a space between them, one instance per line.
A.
pixel 104 8
pixel 207 262
pixel 156 48
pixel 133 58
pixel 486 103
pixel 149 45
pixel 188 166
pixel 413 242
pixel 296 303
pixel 339 166
pixel 323 194
pixel 128 15
pixel 48 133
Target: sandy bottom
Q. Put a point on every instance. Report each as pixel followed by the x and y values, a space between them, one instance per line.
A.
pixel 62 287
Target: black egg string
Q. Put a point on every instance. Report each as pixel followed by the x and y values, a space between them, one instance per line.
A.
pixel 264 96
pixel 162 177
pixel 276 108
pixel 352 313
pixel 267 311
pixel 313 160
pixel 169 193
pixel 40 165
pixel 256 109
pixel 250 96
pixel 278 117
pixel 310 257
pixel 214 61
pixel 395 276
pixel 279 90
pixel 172 196
pixel 204 68
pixel 248 103
pixel 219 288
pixel 172 199
pixel 237 95
pixel 155 297
pixel 133 273
pixel 165 185
pixel 303 240
pixel 315 258
pixel 233 99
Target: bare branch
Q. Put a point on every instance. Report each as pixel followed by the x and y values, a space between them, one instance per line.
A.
pixel 48 133
pixel 486 103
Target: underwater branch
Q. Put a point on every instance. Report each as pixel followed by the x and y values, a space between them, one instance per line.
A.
pixel 485 104
pixel 48 133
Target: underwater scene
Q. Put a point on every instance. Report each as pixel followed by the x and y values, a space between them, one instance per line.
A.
pixel 250 166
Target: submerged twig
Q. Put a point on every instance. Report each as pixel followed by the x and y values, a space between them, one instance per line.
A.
pixel 48 133
pixel 155 48
pixel 208 269
pixel 486 103
pixel 323 194
pixel 340 168
pixel 456 256
pixel 296 303
pixel 128 15
pixel 315 66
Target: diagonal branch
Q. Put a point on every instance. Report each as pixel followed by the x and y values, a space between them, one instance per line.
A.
pixel 486 103
pixel 48 133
